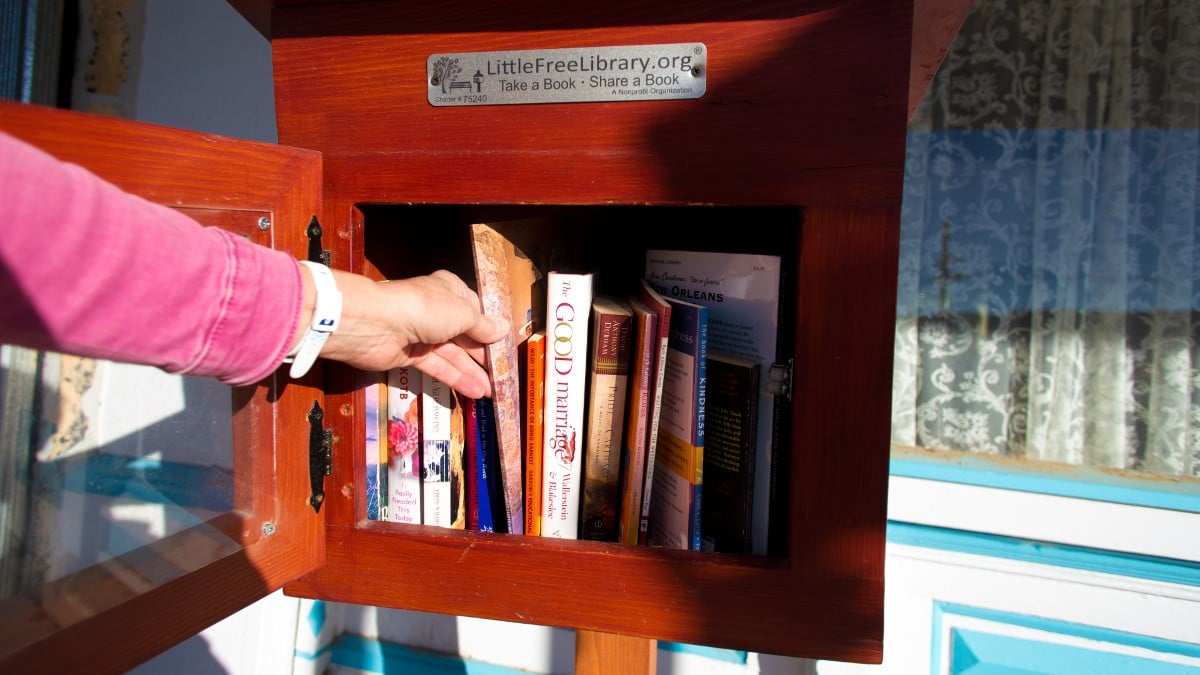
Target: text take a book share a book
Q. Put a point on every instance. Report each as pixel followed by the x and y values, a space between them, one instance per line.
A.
pixel 742 292
pixel 675 498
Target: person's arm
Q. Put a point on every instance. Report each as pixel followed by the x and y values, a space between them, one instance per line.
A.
pixel 88 269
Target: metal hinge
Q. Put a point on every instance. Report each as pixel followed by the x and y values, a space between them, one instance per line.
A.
pixel 320 455
pixel 779 379
pixel 316 253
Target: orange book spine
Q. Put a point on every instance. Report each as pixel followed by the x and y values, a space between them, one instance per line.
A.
pixel 535 402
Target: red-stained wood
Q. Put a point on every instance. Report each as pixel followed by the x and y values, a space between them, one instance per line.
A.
pixel 806 106
pixel 116 614
pixel 935 24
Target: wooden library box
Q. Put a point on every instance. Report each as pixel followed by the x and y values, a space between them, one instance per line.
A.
pixel 773 127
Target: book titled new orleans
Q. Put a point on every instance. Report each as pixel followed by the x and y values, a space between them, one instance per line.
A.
pixel 612 325
pixel 644 353
pixel 535 398
pixel 403 445
pixel 730 426
pixel 659 305
pixel 676 499
pixel 436 403
pixel 506 278
pixel 568 304
pixel 375 399
pixel 742 292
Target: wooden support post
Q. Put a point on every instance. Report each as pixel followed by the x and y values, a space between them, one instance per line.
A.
pixel 603 653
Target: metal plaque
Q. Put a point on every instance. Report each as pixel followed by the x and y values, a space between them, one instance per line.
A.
pixel 585 74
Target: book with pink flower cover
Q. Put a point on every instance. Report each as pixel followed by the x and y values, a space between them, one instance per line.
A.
pixel 403 446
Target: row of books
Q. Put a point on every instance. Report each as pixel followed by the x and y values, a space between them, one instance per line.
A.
pixel 649 419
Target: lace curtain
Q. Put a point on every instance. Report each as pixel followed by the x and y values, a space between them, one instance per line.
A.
pixel 1050 258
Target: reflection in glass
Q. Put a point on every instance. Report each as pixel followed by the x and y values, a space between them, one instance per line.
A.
pixel 1049 295
pixel 123 457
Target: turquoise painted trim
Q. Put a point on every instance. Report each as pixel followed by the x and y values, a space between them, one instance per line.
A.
pixel 1060 555
pixel 977 652
pixel 714 653
pixel 1080 482
pixel 375 656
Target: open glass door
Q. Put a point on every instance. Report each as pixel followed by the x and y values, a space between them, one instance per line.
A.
pixel 156 532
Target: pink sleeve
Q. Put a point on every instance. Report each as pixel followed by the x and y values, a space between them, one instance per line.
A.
pixel 88 269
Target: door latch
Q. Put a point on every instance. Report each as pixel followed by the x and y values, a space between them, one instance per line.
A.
pixel 316 253
pixel 320 456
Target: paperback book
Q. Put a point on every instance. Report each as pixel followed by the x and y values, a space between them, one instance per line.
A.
pixel 436 402
pixel 729 448
pixel 742 292
pixel 637 423
pixel 506 279
pixel 607 382
pixel 403 445
pixel 374 395
pixel 535 393
pixel 484 481
pixel 676 500
pixel 568 301
pixel 659 305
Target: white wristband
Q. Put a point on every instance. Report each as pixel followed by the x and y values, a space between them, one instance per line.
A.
pixel 325 319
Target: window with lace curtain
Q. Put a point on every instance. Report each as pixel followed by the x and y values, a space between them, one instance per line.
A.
pixel 1049 291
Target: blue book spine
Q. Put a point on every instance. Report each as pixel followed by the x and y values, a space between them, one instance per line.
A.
pixel 485 466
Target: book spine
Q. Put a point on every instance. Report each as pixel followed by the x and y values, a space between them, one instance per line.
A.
pixel 486 479
pixel 471 462
pixel 605 419
pixel 495 279
pixel 663 309
pixel 374 394
pixel 731 424
pixel 534 405
pixel 676 499
pixel 637 423
pixel 435 451
pixel 568 303
pixel 403 445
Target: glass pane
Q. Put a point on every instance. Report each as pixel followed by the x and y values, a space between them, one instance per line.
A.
pixel 123 456
pixel 1049 303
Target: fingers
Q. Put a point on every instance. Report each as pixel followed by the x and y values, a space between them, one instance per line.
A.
pixel 458 368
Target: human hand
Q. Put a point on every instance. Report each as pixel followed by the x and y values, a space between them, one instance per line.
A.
pixel 432 322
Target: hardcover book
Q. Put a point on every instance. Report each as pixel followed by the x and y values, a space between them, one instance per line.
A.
pixel 568 302
pixel 637 423
pixel 404 445
pixel 676 499
pixel 659 305
pixel 535 392
pixel 436 403
pixel 730 426
pixel 612 322
pixel 742 292
pixel 506 278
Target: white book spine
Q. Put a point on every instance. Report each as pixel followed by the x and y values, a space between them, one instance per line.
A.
pixel 403 446
pixel 568 305
pixel 435 451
